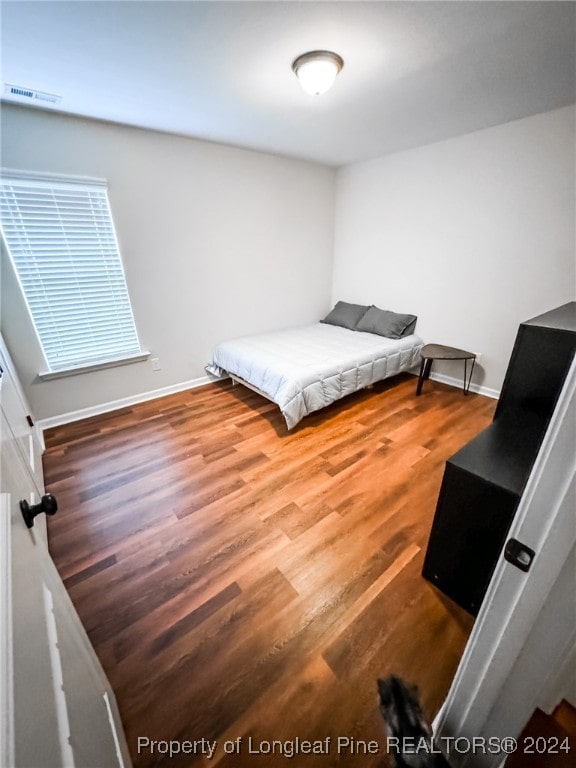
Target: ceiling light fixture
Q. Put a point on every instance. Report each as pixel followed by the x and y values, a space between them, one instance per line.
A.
pixel 317 70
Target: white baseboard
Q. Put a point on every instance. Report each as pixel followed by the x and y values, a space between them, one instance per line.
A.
pixel 452 382
pixel 201 381
pixel 114 405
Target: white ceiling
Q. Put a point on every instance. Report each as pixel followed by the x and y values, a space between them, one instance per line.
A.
pixel 414 73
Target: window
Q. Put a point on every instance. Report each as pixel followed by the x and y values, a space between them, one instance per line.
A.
pixel 61 239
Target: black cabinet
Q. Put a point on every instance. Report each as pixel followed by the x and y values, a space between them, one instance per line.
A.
pixel 542 354
pixel 483 483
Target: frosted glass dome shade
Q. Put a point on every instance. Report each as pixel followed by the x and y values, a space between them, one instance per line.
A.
pixel 317 70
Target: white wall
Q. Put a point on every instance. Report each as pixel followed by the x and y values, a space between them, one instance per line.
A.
pixel 474 234
pixel 216 241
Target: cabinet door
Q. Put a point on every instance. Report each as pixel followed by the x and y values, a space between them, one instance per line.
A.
pixel 536 373
pixel 472 518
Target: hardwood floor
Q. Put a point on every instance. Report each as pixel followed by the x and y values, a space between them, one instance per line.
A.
pixel 238 580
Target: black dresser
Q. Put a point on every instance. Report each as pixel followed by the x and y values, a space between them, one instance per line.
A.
pixel 484 481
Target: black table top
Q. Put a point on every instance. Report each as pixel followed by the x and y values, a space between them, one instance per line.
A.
pixel 442 352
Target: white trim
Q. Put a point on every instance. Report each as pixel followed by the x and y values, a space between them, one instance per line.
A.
pixel 62 718
pixel 39 434
pixel 201 381
pixel 140 357
pixel 42 176
pixel 453 382
pixel 124 402
pixel 112 722
pixel 6 657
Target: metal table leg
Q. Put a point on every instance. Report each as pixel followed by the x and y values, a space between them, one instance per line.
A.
pixel 425 366
pixel 466 384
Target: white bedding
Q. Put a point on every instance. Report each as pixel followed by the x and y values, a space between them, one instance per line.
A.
pixel 304 369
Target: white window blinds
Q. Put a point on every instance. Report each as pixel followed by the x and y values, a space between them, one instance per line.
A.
pixel 61 239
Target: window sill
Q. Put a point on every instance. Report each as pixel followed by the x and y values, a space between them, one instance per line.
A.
pixel 49 375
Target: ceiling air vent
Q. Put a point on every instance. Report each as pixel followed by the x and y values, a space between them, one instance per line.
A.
pixel 17 91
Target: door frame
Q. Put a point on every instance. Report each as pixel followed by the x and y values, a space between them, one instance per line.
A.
pixel 515 601
pixel 6 659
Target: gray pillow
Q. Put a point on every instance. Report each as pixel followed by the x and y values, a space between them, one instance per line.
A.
pixel 385 323
pixel 346 315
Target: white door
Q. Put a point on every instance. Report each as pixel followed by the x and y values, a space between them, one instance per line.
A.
pixel 28 439
pixel 521 651
pixel 57 707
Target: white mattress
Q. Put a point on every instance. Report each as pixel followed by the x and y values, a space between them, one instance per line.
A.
pixel 304 369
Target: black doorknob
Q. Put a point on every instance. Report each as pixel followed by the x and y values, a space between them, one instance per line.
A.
pixel 47 504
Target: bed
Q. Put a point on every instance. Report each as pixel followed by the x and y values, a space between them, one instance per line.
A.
pixel 306 368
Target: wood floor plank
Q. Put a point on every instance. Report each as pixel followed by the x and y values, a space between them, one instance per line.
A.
pixel 241 581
